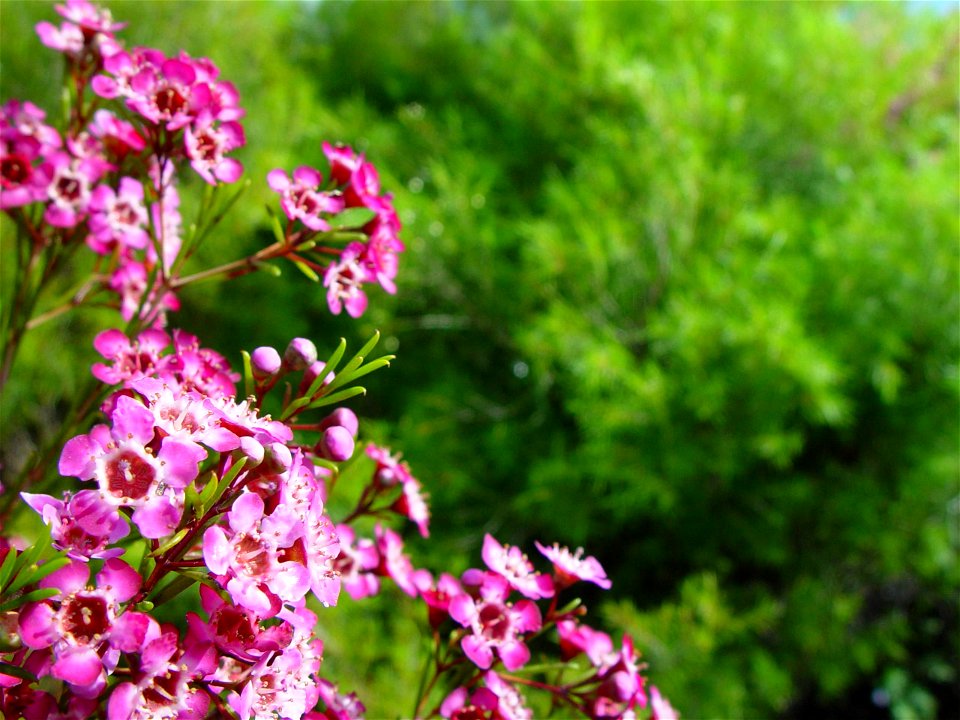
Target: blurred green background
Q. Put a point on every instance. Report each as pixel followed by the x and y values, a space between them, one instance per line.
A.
pixel 681 287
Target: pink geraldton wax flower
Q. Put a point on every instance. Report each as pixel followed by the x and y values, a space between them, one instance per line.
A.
pixel 83 524
pixel 89 16
pixel 340 706
pixel 160 689
pixel 134 468
pixel 206 144
pixel 284 684
pixel 85 627
pixel 68 188
pixel 117 217
pixel 515 567
pixel 343 280
pixel 576 638
pixel 67 39
pixel 357 563
pixel 129 281
pixel 301 198
pixel 621 687
pixel 572 566
pixel 495 625
pixel 390 470
pixel 438 597
pixel 412 504
pixel 661 707
pixel 129 359
pixel 247 556
pixel 381 257
pixel 119 138
pixel 167 93
pixel 343 161
pixel 197 368
pixel 396 564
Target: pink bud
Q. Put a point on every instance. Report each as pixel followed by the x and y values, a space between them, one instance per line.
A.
pixel 336 444
pixel 344 417
pixel 265 362
pixel 312 373
pixel 300 354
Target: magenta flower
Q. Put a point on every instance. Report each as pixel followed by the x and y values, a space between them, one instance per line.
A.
pixel 89 16
pixel 571 567
pixel 159 688
pixel 397 565
pixel 68 187
pixel 301 198
pixel 390 470
pixel 118 137
pixel 516 568
pixel 206 144
pixel 438 596
pixel 621 685
pixel 67 39
pixel 661 707
pixel 129 281
pixel 82 524
pixel 576 638
pixel 357 563
pixel 130 359
pixel 117 457
pixel 412 504
pixel 495 625
pixel 85 627
pixel 343 280
pixel 247 556
pixel 117 217
pixel 339 706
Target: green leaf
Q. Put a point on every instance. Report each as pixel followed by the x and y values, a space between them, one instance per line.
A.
pixel 269 268
pixel 17 671
pixel 337 397
pixel 329 367
pixel 39 594
pixel 49 567
pixel 165 591
pixel 170 543
pixel 277 230
pixel 35 573
pixel 380 362
pixel 208 492
pixel 6 570
pixel 306 270
pixel 352 218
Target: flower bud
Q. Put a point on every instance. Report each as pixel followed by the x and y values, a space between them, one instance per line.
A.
pixel 300 354
pixel 344 417
pixel 336 444
pixel 265 362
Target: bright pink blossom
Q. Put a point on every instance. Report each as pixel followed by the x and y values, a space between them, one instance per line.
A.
pixel 117 217
pixel 516 568
pixel 343 280
pixel 301 197
pixel 572 566
pixel 82 524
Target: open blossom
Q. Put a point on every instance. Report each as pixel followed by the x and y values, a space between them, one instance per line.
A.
pixel 134 467
pixel 515 567
pixel 576 638
pixel 84 626
pixel 572 566
pixel 357 563
pixel 206 144
pixel 301 197
pixel 495 625
pixel 249 554
pixel 343 280
pixel 82 524
pixel 69 183
pixel 117 217
pixel 130 281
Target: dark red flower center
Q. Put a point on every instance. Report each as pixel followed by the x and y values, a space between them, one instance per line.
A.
pixel 14 170
pixel 169 102
pixel 84 618
pixel 129 475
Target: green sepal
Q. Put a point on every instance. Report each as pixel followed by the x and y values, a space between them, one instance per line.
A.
pixel 352 218
pixel 35 595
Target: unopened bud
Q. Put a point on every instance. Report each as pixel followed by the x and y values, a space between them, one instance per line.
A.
pixel 336 444
pixel 265 362
pixel 344 417
pixel 300 354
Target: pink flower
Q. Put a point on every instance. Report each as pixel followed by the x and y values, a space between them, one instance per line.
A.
pixel 159 688
pixel 68 187
pixel 89 16
pixel 129 281
pixel 118 137
pixel 84 626
pixel 396 564
pixel 661 707
pixel 117 217
pixel 515 567
pixel 247 556
pixel 438 597
pixel 390 470
pixel 339 706
pixel 68 38
pixel 412 504
pixel 576 638
pixel 495 625
pixel 83 524
pixel 130 359
pixel 571 567
pixel 343 280
pixel 131 475
pixel 356 564
pixel 206 144
pixel 301 198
